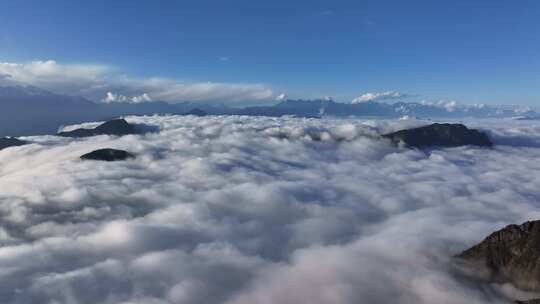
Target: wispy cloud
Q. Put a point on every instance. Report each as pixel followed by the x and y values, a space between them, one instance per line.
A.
pixel 325 13
pixel 378 96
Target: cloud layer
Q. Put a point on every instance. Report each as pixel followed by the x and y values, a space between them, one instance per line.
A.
pixel 100 82
pixel 258 210
pixel 378 96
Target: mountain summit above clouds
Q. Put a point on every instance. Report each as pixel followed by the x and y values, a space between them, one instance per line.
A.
pixel 442 135
pixel 6 142
pixel 116 127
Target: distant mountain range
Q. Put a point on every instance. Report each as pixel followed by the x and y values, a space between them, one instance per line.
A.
pixel 27 110
pixel 325 107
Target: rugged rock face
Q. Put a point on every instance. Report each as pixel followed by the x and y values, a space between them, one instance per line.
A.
pixel 117 127
pixel 509 255
pixel 535 301
pixel 6 142
pixel 442 135
pixel 107 155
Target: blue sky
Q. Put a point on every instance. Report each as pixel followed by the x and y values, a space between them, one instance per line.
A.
pixel 469 51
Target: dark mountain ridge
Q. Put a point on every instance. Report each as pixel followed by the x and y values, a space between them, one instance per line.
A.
pixel 118 127
pixel 440 135
pixel 27 110
pixel 6 142
pixel 107 154
pixel 320 107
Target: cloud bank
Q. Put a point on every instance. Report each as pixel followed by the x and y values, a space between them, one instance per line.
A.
pixel 101 82
pixel 378 96
pixel 258 210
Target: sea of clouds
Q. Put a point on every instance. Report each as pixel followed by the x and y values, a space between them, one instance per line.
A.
pixel 244 210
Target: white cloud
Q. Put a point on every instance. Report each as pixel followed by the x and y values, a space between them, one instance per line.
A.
pixel 370 97
pixel 328 98
pixel 141 98
pixel 51 75
pixel 452 106
pixel 170 90
pixel 95 81
pixel 226 209
pixel 282 97
pixel 111 97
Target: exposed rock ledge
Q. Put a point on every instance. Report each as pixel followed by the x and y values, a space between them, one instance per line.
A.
pixel 442 135
pixel 118 127
pixel 6 142
pixel 107 155
pixel 511 254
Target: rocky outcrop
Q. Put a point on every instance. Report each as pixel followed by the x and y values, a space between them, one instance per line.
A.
pixel 511 254
pixel 107 155
pixel 535 301
pixel 6 142
pixel 440 135
pixel 118 127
